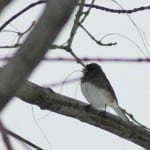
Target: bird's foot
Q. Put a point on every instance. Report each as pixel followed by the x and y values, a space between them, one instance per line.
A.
pixel 87 107
pixel 102 113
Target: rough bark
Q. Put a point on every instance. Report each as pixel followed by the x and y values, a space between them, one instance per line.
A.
pixel 47 99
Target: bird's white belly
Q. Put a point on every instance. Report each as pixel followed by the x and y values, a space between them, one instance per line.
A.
pixel 98 98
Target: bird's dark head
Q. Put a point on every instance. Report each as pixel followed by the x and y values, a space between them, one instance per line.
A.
pixel 93 67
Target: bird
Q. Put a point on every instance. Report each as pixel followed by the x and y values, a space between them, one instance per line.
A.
pixel 98 91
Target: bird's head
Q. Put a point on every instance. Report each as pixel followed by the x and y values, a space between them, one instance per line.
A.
pixel 93 67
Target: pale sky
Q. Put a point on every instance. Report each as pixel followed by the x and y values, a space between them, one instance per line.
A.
pixel 129 80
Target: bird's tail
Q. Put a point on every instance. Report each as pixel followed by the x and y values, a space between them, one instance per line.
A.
pixel 120 113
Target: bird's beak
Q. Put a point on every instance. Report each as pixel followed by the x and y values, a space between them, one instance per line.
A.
pixel 84 70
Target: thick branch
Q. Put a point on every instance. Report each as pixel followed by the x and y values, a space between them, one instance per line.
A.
pixel 47 99
pixel 35 46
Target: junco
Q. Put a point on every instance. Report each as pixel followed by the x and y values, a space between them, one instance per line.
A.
pixel 98 91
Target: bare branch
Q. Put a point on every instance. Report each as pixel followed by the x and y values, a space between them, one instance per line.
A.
pixel 118 11
pixel 47 99
pixel 18 137
pixel 34 47
pixel 11 46
pixel 64 82
pixel 94 39
pixel 21 12
pixel 76 25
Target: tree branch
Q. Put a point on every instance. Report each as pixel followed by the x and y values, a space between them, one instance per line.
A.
pixel 47 99
pixel 34 48
pixel 119 11
pixel 21 12
pixel 21 139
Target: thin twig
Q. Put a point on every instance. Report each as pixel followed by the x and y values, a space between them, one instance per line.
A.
pixel 18 137
pixel 94 39
pixel 21 12
pixel 11 46
pixel 123 36
pixel 75 25
pixel 87 12
pixel 64 82
pixel 68 49
pixel 77 59
pixel 21 34
pixel 118 11
pixel 137 28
